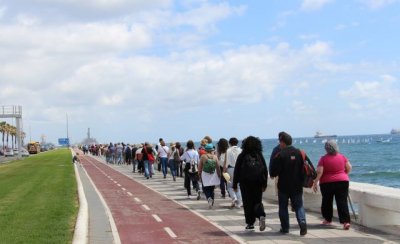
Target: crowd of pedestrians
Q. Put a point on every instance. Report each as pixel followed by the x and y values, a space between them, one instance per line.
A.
pixel 242 173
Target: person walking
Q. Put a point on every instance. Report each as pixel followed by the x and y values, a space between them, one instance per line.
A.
pixel 251 175
pixel 180 166
pixel 333 176
pixel 222 147
pixel 209 173
pixel 229 166
pixel 191 160
pixel 173 159
pixel 163 151
pixel 288 166
pixel 148 160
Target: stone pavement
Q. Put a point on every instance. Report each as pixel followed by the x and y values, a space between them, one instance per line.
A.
pixel 227 222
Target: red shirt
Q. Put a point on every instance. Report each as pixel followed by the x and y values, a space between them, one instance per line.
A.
pixel 334 168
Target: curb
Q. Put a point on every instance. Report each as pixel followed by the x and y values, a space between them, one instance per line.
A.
pixel 82 222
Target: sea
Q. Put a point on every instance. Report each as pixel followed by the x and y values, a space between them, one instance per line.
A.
pixel 375 158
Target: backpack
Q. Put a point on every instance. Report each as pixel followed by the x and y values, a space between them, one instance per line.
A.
pixel 176 156
pixel 150 156
pixel 193 165
pixel 209 165
pixel 253 169
pixel 309 173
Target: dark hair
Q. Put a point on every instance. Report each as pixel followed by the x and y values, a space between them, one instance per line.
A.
pixel 178 145
pixel 252 145
pixel 222 145
pixel 190 144
pixel 208 138
pixel 285 138
pixel 233 141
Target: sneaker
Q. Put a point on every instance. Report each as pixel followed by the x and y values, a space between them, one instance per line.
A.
pixel 210 202
pixel 326 222
pixel 223 196
pixel 283 231
pixel 198 195
pixel 250 227
pixel 262 223
pixel 303 229
pixel 188 197
pixel 346 226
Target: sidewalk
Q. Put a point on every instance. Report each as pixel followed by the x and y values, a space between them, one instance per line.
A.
pixel 158 211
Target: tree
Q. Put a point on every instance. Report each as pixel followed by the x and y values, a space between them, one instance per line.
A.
pixel 3 130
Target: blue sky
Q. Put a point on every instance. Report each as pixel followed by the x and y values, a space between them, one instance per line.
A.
pixel 135 71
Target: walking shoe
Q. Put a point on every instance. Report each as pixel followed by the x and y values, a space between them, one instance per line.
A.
pixel 198 195
pixel 250 227
pixel 233 203
pixel 346 226
pixel 303 229
pixel 283 231
pixel 326 222
pixel 174 178
pixel 262 223
pixel 210 202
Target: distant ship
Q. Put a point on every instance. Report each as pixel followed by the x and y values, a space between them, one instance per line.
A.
pixel 319 134
pixel 395 131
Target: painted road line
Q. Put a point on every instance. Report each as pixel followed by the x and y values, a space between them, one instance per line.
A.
pixel 137 199
pixel 146 207
pixel 118 184
pixel 130 194
pixel 155 216
pixel 170 232
pixel 123 189
pixel 115 182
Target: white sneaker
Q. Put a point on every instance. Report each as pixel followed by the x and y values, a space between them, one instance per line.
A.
pixel 233 204
pixel 210 202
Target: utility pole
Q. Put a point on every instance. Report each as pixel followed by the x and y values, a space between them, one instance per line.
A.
pixel 67 130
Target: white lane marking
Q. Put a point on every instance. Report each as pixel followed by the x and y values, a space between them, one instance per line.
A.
pixel 155 216
pixel 137 199
pixel 115 182
pixel 130 194
pixel 123 189
pixel 118 184
pixel 145 207
pixel 170 232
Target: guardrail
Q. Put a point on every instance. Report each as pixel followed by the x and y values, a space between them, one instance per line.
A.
pixel 375 206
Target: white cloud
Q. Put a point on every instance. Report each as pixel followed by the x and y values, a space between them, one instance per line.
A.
pixel 377 4
pixel 373 96
pixel 318 49
pixel 3 10
pixel 311 5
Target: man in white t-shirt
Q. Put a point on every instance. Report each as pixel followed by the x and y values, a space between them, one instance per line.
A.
pixel 232 154
pixel 163 156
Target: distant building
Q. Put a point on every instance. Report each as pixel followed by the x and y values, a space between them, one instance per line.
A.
pixel 89 140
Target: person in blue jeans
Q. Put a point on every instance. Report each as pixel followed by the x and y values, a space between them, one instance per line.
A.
pixel 288 166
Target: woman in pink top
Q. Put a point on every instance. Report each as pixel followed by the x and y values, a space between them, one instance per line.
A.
pixel 333 177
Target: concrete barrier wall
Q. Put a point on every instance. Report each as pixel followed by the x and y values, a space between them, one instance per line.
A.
pixel 377 207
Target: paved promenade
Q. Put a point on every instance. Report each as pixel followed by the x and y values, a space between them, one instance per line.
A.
pixel 158 211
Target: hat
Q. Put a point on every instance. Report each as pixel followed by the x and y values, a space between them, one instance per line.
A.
pixel 209 147
pixel 227 177
pixel 172 144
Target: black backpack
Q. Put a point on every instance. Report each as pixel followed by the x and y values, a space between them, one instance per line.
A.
pixel 253 169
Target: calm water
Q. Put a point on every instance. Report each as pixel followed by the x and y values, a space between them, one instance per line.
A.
pixel 375 158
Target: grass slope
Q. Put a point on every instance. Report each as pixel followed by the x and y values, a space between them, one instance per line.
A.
pixel 38 199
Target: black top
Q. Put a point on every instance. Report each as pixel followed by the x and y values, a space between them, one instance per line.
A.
pixel 288 166
pixel 238 172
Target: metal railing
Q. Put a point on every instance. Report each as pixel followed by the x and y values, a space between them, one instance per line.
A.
pixel 10 111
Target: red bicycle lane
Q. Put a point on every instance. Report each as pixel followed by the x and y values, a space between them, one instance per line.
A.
pixel 143 215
